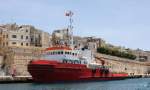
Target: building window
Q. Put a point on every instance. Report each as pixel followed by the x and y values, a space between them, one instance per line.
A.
pixel 14 36
pixel 26 30
pixel 3 36
pixel 21 36
pixel 13 42
pixel 27 44
pixel 31 40
pixel 7 36
pixel 3 44
pixel 21 44
pixel 26 37
pixel 0 32
pixel 7 43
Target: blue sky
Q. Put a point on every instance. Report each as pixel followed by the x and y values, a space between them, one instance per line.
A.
pixel 120 22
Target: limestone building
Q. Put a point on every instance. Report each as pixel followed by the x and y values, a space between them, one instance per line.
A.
pixel 19 45
pixel 61 36
pixel 23 36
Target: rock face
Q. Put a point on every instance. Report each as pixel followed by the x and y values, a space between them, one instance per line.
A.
pixel 131 67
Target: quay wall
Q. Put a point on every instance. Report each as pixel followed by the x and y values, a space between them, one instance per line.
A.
pixel 132 67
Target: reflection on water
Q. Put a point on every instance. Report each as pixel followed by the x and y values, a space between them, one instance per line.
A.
pixel 129 84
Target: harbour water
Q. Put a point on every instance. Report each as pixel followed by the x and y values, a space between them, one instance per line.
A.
pixel 128 84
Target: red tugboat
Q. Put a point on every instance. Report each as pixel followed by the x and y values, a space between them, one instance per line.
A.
pixel 64 64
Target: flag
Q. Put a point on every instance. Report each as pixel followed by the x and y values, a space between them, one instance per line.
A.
pixel 69 13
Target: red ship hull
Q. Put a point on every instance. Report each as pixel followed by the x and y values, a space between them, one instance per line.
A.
pixel 53 71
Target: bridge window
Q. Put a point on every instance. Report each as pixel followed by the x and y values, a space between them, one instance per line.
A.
pixel 70 53
pixel 75 54
pixel 51 53
pixel 58 52
pixel 62 52
pixel 54 53
pixel 67 52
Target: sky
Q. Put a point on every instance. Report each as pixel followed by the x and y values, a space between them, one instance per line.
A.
pixel 119 22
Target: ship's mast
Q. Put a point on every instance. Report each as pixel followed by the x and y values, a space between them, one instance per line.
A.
pixel 69 14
